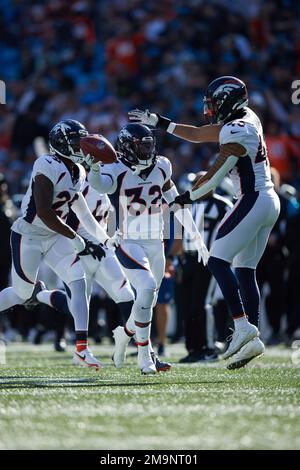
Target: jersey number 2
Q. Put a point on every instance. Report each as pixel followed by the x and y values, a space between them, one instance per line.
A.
pixel 64 197
pixel 135 194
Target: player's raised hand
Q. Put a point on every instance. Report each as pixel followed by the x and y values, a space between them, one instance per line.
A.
pixel 90 161
pixel 203 253
pixel 149 119
pixel 143 117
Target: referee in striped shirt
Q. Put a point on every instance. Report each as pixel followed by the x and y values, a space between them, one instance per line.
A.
pixel 196 277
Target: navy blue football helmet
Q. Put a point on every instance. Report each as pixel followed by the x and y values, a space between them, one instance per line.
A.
pixel 136 144
pixel 224 97
pixel 64 140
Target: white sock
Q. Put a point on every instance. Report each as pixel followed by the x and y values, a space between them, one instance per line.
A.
pixel 143 354
pixel 9 299
pixel 143 334
pixel 240 323
pixel 150 347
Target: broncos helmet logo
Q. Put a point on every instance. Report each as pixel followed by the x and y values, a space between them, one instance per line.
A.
pixel 124 134
pixel 225 90
pixel 64 127
pixel 61 126
pixel 224 95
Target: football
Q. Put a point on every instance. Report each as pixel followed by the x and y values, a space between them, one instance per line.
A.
pixel 99 147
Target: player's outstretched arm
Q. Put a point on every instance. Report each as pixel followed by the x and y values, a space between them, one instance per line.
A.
pixel 207 133
pixel 43 197
pixel 101 182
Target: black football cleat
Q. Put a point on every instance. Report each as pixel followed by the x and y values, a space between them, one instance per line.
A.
pixel 160 365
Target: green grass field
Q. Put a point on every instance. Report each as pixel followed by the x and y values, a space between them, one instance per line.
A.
pixel 45 403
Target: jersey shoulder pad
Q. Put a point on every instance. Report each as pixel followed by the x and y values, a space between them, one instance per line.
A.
pixel 235 131
pixel 165 166
pixel 47 166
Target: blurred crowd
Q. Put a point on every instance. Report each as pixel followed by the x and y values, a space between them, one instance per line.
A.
pixel 95 60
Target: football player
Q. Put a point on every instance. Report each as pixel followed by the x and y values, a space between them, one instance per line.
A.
pixel 55 187
pixel 136 184
pixel 244 231
pixel 100 264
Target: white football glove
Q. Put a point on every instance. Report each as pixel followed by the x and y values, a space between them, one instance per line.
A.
pixel 143 117
pixel 94 166
pixel 114 241
pixel 78 243
pixel 203 253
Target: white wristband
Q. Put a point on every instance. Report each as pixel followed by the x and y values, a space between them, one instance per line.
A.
pixel 171 127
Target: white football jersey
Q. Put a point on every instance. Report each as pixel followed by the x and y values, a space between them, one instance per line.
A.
pixel 252 172
pixel 137 198
pixel 99 205
pixel 65 191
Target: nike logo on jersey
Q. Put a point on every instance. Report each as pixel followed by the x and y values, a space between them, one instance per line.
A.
pixel 49 161
pixel 234 132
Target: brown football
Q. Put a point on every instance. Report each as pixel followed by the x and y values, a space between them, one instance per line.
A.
pixel 99 147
